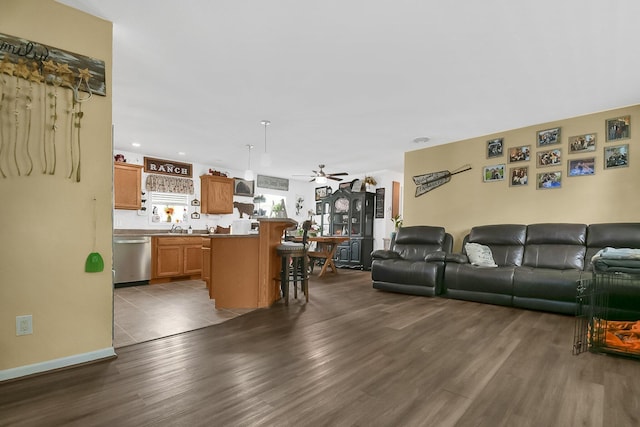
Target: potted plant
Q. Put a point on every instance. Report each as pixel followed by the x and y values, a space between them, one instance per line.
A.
pixel 397 223
pixel 278 211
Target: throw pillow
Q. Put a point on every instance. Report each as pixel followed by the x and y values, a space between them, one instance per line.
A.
pixel 479 255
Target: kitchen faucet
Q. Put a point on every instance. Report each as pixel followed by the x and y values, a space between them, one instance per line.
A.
pixel 175 228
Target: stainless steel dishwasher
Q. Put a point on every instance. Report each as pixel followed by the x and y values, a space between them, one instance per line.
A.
pixel 131 259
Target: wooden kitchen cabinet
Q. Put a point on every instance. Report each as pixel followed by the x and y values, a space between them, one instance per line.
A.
pixel 216 193
pixel 127 186
pixel 175 257
pixel 206 260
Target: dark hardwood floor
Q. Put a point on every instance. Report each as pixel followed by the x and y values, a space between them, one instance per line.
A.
pixel 352 356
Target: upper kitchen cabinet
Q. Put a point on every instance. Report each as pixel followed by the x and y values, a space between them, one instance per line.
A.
pixel 127 186
pixel 216 194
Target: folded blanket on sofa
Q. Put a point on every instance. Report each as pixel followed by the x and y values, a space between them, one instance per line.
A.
pixel 624 260
pixel 618 253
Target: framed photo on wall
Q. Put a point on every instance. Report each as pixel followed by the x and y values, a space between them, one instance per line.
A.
pixel 616 156
pixel 519 154
pixel 549 158
pixel 618 128
pixel 581 167
pixel 321 192
pixel 519 176
pixel 493 173
pixel 548 137
pixel 548 180
pixel 242 187
pixel 379 202
pixel 495 148
pixel 580 143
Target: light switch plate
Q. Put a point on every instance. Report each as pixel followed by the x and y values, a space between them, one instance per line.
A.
pixel 24 325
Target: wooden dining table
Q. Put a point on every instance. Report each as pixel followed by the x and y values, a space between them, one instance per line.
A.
pixel 325 249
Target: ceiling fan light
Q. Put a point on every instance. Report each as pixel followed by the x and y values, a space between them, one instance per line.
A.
pixel 321 179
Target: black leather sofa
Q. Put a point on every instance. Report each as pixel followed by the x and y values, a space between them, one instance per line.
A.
pixel 414 264
pixel 538 266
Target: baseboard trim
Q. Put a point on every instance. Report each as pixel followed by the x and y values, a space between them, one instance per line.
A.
pixel 50 365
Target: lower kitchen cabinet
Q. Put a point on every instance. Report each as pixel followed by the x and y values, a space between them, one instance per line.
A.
pixel 175 257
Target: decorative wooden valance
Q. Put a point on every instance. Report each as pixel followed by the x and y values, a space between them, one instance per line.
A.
pixel 169 184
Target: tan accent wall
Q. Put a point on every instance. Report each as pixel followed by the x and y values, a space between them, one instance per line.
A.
pixel 47 224
pixel 610 195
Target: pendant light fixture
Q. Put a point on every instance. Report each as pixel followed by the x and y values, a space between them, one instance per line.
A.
pixel 248 174
pixel 265 159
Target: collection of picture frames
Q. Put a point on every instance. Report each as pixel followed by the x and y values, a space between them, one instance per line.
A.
pixel 322 192
pixel 550 156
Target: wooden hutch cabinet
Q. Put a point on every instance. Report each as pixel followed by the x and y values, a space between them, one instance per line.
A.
pixel 347 213
pixel 216 193
pixel 127 186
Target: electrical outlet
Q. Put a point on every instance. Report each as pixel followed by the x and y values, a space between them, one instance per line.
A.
pixel 24 325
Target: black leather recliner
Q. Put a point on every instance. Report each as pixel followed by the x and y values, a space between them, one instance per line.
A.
pixel 415 262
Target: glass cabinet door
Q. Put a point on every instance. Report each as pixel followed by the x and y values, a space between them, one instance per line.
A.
pixel 340 217
pixel 326 215
pixel 356 217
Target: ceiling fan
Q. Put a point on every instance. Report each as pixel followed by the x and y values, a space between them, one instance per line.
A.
pixel 321 176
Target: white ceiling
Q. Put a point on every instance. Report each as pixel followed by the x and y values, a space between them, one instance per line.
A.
pixel 352 83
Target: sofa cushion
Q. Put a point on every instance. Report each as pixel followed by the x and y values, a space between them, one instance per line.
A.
pixel 557 233
pixel 437 256
pixel 406 272
pixel 415 242
pixel 546 289
pixel 547 283
pixel 505 240
pixel 468 277
pixel 384 254
pixel 557 246
pixel 479 255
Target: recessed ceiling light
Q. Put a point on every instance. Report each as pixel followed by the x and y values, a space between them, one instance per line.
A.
pixel 135 144
pixel 421 140
pixel 181 153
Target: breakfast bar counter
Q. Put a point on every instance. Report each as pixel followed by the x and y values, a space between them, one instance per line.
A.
pixel 242 271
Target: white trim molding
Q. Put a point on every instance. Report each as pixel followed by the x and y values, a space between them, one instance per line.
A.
pixel 63 362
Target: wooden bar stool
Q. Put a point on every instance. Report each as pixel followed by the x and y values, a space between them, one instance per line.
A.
pixel 295 266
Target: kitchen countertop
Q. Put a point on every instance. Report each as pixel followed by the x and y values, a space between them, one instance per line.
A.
pixel 195 233
pixel 166 233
